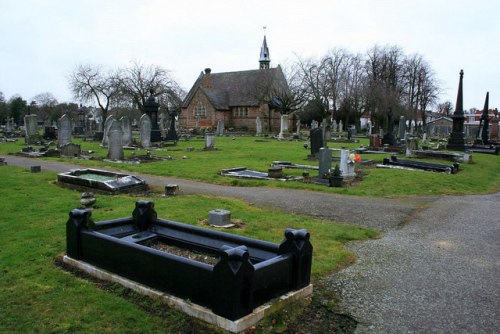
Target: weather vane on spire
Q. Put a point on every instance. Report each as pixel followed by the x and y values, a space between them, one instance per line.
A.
pixel 264 27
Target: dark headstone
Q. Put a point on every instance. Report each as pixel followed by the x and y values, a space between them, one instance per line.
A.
pixel 388 138
pixel 151 108
pixel 316 136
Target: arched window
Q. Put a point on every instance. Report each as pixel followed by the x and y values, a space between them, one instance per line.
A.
pixel 200 110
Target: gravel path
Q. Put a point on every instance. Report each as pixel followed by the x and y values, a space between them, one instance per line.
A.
pixel 435 270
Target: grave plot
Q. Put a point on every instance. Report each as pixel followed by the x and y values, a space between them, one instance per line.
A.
pixel 222 278
pixel 394 162
pixel 274 173
pixel 101 181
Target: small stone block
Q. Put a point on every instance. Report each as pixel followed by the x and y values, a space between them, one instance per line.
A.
pixel 219 217
pixel 36 169
pixel 171 189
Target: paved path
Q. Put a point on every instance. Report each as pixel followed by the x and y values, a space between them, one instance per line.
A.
pixel 435 270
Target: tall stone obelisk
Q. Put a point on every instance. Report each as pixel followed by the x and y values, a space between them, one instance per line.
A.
pixel 456 141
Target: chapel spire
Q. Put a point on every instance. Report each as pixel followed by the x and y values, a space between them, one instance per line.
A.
pixel 264 59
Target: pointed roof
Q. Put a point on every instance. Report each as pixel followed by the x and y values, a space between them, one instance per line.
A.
pixel 242 88
pixel 264 52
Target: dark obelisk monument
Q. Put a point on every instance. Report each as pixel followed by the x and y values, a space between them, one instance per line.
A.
pixel 456 141
pixel 485 119
pixel 151 108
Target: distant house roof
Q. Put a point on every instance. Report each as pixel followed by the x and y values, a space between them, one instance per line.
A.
pixel 441 119
pixel 242 88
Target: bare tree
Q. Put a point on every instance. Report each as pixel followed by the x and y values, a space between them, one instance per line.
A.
pixel 445 108
pixel 90 83
pixel 45 104
pixel 384 84
pixel 135 83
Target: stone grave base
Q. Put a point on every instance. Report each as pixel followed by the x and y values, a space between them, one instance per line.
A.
pixel 190 308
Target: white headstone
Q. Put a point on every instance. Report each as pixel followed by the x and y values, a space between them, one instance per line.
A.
pixel 369 124
pixel 220 127
pixel 258 127
pixel 107 124
pixel 314 124
pixel 115 141
pixel 334 126
pixel 127 131
pixel 283 126
pixel 145 130
pixel 341 126
pixel 64 131
pixel 346 166
pixel 209 141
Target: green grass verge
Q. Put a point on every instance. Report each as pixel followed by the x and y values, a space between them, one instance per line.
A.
pixel 482 176
pixel 38 296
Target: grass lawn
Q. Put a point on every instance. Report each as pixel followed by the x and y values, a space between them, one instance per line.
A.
pixel 38 296
pixel 190 161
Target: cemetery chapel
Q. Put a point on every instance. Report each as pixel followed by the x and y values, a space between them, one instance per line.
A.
pixel 236 98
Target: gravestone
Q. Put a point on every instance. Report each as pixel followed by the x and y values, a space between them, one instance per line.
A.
pixel 127 131
pixel 346 166
pixel 316 137
pixel 334 126
pixel 209 141
pixel 64 131
pixel 107 125
pixel 401 129
pixel 172 131
pixel 70 150
pixel 10 125
pixel 297 125
pixel 369 125
pixel 374 141
pixel 220 128
pixel 314 124
pixel 30 125
pixel 283 126
pixel 258 127
pixel 411 145
pixel 389 137
pixel 151 107
pixel 163 124
pixel 197 124
pixel 145 130
pixel 341 126
pixel 115 141
pixel 325 161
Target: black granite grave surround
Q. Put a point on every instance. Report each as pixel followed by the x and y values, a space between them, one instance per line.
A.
pixel 248 273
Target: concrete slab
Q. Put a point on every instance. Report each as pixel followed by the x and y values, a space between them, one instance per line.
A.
pixel 190 308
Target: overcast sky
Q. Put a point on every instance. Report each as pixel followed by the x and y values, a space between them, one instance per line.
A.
pixel 42 41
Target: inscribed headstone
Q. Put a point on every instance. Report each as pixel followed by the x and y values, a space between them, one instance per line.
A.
pixel 115 141
pixel 127 131
pixel 107 125
pixel 145 130
pixel 64 131
pixel 258 127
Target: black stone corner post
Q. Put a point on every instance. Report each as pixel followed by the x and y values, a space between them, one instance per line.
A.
pixel 232 285
pixel 144 214
pixel 297 243
pixel 78 220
